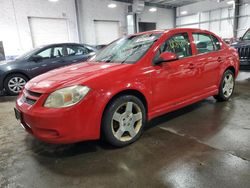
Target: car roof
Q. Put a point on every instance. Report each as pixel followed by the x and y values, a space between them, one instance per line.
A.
pixel 57 44
pixel 173 30
pixel 62 44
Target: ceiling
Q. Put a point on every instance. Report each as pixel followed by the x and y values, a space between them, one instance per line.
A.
pixel 171 3
pixel 165 3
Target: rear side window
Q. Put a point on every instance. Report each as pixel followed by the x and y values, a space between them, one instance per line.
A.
pixel 203 42
pixel 77 50
pixel 178 44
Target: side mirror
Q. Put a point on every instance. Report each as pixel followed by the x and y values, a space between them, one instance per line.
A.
pixel 240 38
pixel 166 57
pixel 35 58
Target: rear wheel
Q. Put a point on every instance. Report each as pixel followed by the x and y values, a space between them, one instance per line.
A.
pixel 226 87
pixel 14 83
pixel 124 120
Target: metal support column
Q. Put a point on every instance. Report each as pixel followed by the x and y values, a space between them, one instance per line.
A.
pixel 236 17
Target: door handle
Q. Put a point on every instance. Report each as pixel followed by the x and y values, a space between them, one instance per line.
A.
pixel 219 59
pixel 191 66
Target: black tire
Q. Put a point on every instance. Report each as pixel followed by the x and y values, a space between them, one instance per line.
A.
pixel 8 90
pixel 108 122
pixel 222 96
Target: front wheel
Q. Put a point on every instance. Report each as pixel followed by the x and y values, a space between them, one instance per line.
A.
pixel 124 120
pixel 14 83
pixel 226 87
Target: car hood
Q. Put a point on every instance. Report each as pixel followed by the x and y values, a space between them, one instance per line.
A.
pixel 241 44
pixel 78 74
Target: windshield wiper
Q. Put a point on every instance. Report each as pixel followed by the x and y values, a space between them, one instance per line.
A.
pixel 107 59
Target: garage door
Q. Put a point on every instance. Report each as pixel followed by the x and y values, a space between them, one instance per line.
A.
pixel 106 31
pixel 48 31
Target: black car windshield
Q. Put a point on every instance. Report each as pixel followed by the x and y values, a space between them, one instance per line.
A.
pixel 247 35
pixel 127 50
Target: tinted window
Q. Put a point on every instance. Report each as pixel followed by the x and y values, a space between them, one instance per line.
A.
pixel 77 50
pixel 45 54
pixel 178 44
pixel 58 52
pixel 247 35
pixel 216 43
pixel 203 42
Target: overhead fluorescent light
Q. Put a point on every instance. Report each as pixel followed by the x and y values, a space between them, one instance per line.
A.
pixel 230 2
pixel 153 9
pixel 112 5
pixel 53 0
pixel 184 12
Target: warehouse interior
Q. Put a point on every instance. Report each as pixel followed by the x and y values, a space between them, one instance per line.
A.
pixel 23 23
pixel 206 144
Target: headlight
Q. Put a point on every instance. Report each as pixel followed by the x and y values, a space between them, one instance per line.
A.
pixel 66 97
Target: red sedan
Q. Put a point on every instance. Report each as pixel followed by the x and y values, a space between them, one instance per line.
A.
pixel 131 81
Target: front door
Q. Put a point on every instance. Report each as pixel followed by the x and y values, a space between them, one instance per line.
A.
pixel 174 82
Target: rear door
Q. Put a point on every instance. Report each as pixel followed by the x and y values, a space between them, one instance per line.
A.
pixel 208 59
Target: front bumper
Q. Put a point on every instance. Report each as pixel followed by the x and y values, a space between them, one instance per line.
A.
pixel 61 126
pixel 244 63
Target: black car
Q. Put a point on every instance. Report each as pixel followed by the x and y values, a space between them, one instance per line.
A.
pixel 243 47
pixel 15 74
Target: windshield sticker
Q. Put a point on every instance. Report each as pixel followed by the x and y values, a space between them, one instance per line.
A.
pixel 145 39
pixel 178 44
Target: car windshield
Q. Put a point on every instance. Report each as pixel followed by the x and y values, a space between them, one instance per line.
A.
pixel 247 35
pixel 127 50
pixel 29 53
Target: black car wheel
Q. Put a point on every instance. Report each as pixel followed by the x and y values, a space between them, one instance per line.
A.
pixel 226 86
pixel 14 83
pixel 124 120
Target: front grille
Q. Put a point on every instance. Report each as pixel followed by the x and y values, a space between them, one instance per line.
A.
pixel 35 94
pixel 29 101
pixel 30 97
pixel 244 52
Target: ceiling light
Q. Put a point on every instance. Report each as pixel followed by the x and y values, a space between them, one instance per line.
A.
pixel 53 0
pixel 112 5
pixel 153 9
pixel 230 2
pixel 184 12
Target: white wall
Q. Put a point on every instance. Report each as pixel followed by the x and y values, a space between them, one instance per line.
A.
pixel 14 26
pixel 91 10
pixel 164 18
pixel 202 6
pixel 208 15
pixel 213 16
pixel 244 21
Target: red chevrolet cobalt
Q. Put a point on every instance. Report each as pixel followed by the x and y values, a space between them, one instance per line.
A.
pixel 131 81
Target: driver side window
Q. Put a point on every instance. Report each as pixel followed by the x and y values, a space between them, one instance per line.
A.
pixel 45 54
pixel 178 44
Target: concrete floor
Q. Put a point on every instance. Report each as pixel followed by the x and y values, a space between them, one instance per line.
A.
pixel 203 145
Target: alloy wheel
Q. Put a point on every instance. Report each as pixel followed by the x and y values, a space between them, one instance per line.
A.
pixel 228 85
pixel 126 121
pixel 16 84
